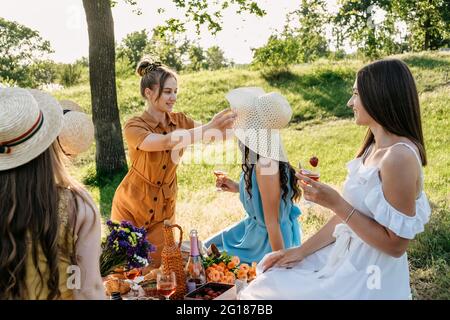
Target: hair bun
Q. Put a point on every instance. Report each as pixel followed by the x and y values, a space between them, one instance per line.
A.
pixel 147 65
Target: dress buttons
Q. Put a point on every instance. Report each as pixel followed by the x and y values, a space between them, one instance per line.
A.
pixel 146 223
pixel 164 132
pixel 164 167
pixel 155 199
pixel 167 151
pixel 151 211
pixel 159 182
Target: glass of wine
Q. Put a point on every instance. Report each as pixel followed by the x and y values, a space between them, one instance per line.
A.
pixel 220 174
pixel 310 169
pixel 166 284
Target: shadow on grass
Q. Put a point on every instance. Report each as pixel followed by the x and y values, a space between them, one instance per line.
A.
pixel 107 185
pixel 327 90
pixel 426 62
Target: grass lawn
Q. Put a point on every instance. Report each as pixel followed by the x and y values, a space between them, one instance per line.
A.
pixel 321 125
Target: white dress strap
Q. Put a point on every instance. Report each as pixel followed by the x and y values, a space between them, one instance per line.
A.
pixel 410 148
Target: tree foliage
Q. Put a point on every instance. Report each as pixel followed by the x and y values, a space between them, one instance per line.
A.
pixel 70 74
pixel 215 58
pixel 373 38
pixel 305 43
pixel 428 25
pixel 20 47
pixel 428 22
pixel 168 48
pixel 311 33
pixel 43 72
pixel 202 12
pixel 132 47
pixel 197 58
pixel 279 52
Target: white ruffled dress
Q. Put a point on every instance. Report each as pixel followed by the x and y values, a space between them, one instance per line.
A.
pixel 350 268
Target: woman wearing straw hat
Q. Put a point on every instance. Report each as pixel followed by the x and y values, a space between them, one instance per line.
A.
pixel 146 196
pixel 267 186
pixel 77 133
pixel 48 222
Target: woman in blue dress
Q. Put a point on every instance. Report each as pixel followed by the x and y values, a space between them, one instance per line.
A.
pixel 267 185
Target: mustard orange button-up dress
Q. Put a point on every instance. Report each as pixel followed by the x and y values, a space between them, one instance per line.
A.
pixel 147 195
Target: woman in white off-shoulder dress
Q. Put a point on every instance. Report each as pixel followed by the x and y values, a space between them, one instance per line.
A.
pixel 361 252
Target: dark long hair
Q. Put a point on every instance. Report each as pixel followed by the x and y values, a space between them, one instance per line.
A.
pixel 29 198
pixel 389 95
pixel 287 174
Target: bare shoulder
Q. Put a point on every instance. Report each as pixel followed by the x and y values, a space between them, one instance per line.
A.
pixel 267 171
pixel 266 164
pixel 399 170
pixel 400 160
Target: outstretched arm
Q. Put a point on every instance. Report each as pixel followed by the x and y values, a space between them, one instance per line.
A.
pixel 180 139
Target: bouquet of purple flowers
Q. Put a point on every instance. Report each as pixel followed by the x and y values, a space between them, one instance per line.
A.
pixel 124 246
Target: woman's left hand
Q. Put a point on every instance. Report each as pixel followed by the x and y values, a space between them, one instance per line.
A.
pixel 318 192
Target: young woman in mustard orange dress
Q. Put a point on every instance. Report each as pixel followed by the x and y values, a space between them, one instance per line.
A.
pixel 147 195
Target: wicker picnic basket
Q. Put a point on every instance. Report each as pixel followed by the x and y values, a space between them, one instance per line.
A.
pixel 172 260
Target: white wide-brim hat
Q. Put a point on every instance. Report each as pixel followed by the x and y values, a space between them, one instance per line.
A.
pixel 30 121
pixel 260 116
pixel 77 133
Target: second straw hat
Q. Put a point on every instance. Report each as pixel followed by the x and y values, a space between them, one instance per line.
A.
pixel 77 133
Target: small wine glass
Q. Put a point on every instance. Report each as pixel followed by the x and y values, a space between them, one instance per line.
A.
pixel 166 284
pixel 220 174
pixel 310 169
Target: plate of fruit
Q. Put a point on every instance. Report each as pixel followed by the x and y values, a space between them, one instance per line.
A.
pixel 223 268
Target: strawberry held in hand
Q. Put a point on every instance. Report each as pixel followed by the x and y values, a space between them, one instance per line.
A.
pixel 314 161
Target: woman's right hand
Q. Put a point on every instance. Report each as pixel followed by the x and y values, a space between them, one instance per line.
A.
pixel 283 259
pixel 226 184
pixel 223 120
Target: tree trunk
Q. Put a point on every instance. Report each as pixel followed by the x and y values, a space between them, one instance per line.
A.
pixel 427 26
pixel 110 155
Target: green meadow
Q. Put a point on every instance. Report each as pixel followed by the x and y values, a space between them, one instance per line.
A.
pixel 321 125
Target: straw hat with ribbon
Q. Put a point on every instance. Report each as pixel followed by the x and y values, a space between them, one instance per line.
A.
pixel 30 120
pixel 77 133
pixel 260 116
